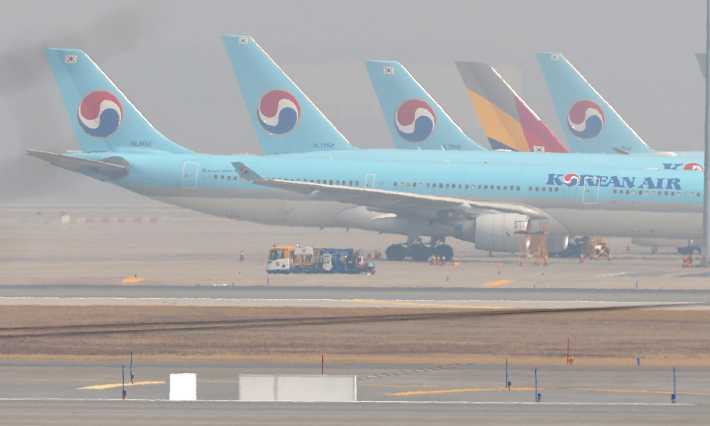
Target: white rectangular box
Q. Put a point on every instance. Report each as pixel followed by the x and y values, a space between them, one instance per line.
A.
pixel 303 388
pixel 181 387
pixel 257 387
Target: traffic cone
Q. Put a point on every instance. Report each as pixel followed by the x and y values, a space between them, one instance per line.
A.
pixel 581 258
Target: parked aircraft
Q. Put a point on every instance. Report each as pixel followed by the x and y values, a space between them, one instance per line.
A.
pixel 483 197
pixel 590 124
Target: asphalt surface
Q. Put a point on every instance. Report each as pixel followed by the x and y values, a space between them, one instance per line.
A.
pixel 90 393
pixel 340 296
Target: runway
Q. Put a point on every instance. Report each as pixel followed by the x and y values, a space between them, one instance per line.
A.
pixel 428 297
pixel 387 394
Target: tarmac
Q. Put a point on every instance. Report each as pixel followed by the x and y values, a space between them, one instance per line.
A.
pixel 329 296
pixel 90 393
pixel 191 260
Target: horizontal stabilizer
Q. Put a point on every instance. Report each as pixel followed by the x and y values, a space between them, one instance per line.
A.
pixel 74 163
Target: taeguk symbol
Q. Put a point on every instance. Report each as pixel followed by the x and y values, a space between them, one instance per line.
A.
pixel 100 114
pixel 278 112
pixel 571 179
pixel 693 166
pixel 585 119
pixel 414 120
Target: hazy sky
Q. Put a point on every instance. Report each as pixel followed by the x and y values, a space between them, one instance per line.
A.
pixel 169 60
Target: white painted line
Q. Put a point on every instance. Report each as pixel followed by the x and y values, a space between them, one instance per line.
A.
pixel 123 401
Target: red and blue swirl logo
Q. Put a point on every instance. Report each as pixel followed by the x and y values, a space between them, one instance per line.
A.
pixel 571 179
pixel 100 114
pixel 693 166
pixel 585 119
pixel 278 112
pixel 414 120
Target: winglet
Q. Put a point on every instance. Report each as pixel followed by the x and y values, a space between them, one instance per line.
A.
pixel 621 151
pixel 245 172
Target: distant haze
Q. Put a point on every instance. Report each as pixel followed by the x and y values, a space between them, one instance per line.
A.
pixel 168 58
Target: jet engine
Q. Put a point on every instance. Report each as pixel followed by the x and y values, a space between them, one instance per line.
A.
pixel 493 232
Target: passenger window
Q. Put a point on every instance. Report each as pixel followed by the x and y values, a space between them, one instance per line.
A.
pixel 557 189
pixel 537 189
pixel 485 186
pixel 215 176
pixel 407 184
pixel 666 192
pixel 357 183
pixel 505 188
pixel 441 185
pixel 498 187
pixel 460 186
pixel 420 185
pixel 543 189
pixel 401 184
pixel 427 185
pixel 517 188
pixel 318 181
pixel 337 182
pixel 465 187
pixel 447 185
pixel 350 183
pixel 331 182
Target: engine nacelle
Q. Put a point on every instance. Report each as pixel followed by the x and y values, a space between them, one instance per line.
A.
pixel 492 232
pixel 557 243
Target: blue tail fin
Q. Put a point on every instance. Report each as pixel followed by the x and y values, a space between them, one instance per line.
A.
pixel 589 122
pixel 284 118
pixel 414 118
pixel 102 117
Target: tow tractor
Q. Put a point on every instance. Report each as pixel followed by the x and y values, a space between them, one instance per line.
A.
pixel 312 260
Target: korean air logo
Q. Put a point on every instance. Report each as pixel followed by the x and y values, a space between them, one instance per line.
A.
pixel 414 120
pixel 585 119
pixel 100 114
pixel 571 179
pixel 278 112
pixel 693 166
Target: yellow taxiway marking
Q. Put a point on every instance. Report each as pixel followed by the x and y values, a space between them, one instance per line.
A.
pixel 446 391
pixel 497 283
pixel 529 389
pixel 636 391
pixel 132 280
pixel 442 305
pixel 118 385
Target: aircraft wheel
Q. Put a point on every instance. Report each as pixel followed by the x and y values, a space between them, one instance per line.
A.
pixel 444 251
pixel 419 252
pixel 396 252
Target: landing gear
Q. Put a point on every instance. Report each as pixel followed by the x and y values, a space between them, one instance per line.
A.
pixel 688 250
pixel 418 251
pixel 444 251
pixel 396 252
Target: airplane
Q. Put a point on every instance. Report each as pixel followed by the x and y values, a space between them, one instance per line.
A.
pixel 590 124
pixel 481 197
pixel 412 114
pixel 503 114
pixel 492 96
pixel 395 88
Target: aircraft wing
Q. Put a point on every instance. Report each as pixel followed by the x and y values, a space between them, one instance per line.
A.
pixel 73 163
pixel 429 206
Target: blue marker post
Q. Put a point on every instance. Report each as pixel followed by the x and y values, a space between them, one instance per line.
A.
pixel 537 395
pixel 507 382
pixel 123 380
pixel 131 368
pixel 673 397
pixel 638 361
